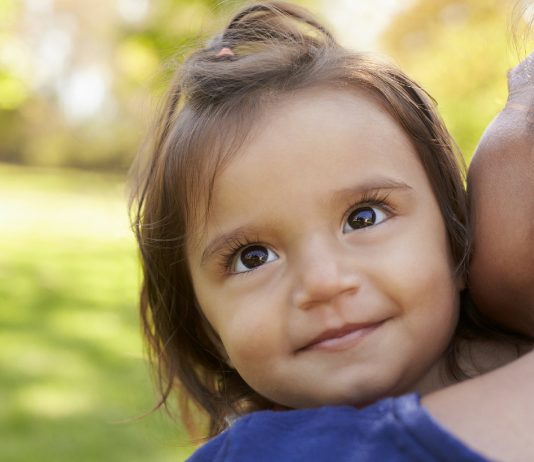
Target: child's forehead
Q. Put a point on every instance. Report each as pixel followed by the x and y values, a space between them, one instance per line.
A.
pixel 328 97
pixel 316 119
pixel 288 115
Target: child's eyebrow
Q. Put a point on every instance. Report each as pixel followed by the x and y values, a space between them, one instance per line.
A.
pixel 372 184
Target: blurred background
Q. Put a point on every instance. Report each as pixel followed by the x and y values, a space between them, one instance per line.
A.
pixel 79 82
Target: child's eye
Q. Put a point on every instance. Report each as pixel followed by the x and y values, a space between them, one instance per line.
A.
pixel 251 257
pixel 363 217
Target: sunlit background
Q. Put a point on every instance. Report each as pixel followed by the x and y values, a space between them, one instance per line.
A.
pixel 78 84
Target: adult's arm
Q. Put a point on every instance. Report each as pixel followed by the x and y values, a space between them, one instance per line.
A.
pixel 501 191
pixel 493 413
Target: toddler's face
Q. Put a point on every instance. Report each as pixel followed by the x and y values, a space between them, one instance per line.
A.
pixel 325 267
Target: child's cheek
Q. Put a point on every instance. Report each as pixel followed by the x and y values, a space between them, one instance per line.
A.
pixel 416 270
pixel 254 332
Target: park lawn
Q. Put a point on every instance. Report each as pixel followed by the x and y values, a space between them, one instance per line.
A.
pixel 73 376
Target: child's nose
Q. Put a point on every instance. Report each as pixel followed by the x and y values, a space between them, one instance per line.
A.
pixel 323 272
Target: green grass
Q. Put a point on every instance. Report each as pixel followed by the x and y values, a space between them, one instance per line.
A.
pixel 71 358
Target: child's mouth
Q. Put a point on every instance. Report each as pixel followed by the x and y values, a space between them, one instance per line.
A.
pixel 341 339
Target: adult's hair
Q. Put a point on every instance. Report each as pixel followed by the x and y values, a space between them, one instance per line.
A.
pixel 210 109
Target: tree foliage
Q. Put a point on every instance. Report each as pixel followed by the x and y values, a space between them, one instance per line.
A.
pixel 78 79
pixel 460 52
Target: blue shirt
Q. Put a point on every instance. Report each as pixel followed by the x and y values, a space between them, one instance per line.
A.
pixel 394 429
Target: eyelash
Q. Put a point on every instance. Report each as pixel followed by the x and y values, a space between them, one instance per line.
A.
pixel 238 243
pixel 233 246
pixel 372 199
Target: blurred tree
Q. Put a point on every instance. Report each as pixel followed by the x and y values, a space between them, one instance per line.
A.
pixel 460 52
pixel 76 78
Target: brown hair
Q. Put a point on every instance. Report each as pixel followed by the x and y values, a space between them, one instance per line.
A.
pixel 210 108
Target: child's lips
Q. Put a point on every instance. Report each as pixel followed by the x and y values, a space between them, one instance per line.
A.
pixel 341 339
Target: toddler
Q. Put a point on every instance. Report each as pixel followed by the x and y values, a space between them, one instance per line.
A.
pixel 302 226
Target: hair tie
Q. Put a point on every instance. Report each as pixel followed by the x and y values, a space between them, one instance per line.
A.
pixel 225 51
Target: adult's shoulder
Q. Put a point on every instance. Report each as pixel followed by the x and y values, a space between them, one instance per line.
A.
pixel 492 413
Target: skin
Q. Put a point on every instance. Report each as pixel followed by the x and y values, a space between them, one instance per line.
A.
pixel 389 286
pixel 501 190
pixel 494 413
